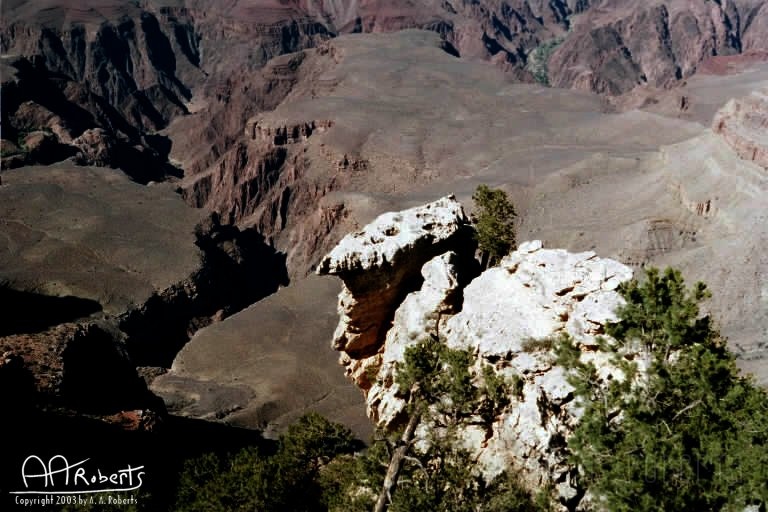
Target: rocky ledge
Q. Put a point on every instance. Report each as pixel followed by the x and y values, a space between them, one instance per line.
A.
pixel 507 316
pixel 743 124
pixel 381 264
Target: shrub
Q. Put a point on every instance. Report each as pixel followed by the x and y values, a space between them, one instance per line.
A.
pixel 439 475
pixel 494 223
pixel 248 480
pixel 538 345
pixel 538 60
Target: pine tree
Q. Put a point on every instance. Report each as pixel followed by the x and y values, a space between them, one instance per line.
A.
pixel 443 395
pixel 687 434
pixel 288 480
pixel 494 224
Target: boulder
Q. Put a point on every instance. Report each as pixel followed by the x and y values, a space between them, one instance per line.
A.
pixel 94 147
pixel 44 147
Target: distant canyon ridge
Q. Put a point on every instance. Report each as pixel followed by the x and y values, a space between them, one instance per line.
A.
pixel 170 89
pixel 102 82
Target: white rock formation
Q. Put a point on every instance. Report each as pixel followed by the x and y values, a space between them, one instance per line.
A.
pixel 395 234
pixel 534 294
pixel 380 265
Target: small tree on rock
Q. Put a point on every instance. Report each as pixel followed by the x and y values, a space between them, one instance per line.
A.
pixel 687 433
pixel 445 396
pixel 494 219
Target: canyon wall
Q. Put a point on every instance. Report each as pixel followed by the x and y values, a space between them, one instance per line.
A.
pixel 101 85
pixel 623 44
pixel 101 275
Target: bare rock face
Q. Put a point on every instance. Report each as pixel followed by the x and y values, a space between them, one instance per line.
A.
pixel 502 316
pixel 535 294
pixel 381 264
pixel 420 313
pixel 285 134
pixel 131 69
pixel 622 44
pixel 134 69
pixel 743 124
pixel 756 36
pixel 131 58
pixel 95 147
pixel 43 147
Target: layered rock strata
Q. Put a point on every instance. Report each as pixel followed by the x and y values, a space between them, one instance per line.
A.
pixel 131 69
pixel 623 44
pixel 743 124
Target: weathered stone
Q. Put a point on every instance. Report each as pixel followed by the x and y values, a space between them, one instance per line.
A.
pixel 380 265
pixel 535 294
pixel 743 124
pixel 417 317
pixel 507 317
pixel 95 147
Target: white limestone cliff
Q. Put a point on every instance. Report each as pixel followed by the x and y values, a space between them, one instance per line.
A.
pixel 535 294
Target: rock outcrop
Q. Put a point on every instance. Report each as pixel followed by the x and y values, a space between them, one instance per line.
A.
pixel 420 312
pixel 536 294
pixel 73 366
pixel 508 317
pixel 743 124
pixel 381 264
pixel 285 134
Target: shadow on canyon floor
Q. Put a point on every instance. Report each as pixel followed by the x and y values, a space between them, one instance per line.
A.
pixel 109 449
pixel 28 312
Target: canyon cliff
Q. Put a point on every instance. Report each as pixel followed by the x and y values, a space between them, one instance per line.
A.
pixel 656 43
pixel 88 291
pixel 743 124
